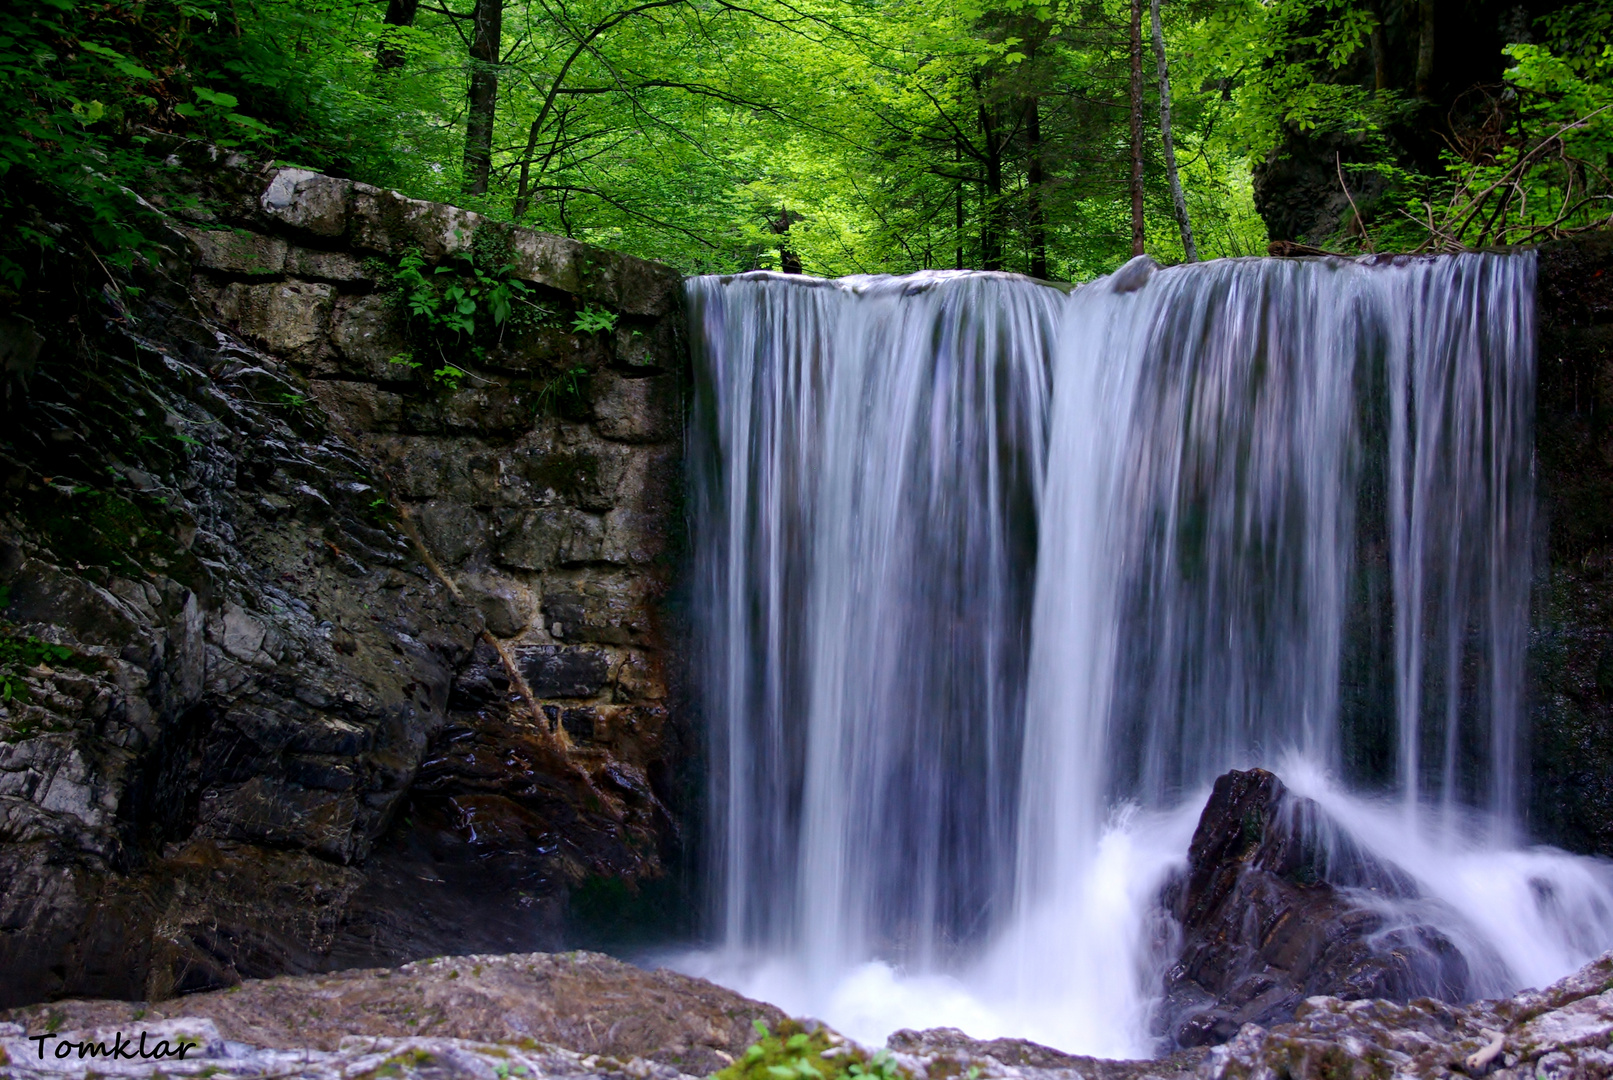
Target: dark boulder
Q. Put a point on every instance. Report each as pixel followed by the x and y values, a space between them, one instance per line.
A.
pixel 1278 904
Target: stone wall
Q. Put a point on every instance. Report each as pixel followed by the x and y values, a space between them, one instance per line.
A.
pixel 281 563
pixel 1571 653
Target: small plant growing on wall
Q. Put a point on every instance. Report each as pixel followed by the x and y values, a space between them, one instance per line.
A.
pixel 460 309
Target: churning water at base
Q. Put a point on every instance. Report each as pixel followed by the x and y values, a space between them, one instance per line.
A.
pixel 993 581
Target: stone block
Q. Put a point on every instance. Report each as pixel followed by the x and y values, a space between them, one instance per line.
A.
pixel 387 222
pixel 529 539
pixel 234 252
pixel 335 266
pixel 368 333
pixel 541 538
pixel 547 351
pixel 633 538
pixel 555 261
pixel 606 609
pixel 637 410
pixel 288 318
pixel 647 348
pixel 558 672
pixel 451 530
pixel 425 467
pixel 637 678
pixel 362 406
pixel 502 604
pixel 308 202
pixel 648 288
pixel 488 409
pixel 584 540
pixel 587 474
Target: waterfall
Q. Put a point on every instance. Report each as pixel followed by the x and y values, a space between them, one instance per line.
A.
pixel 992 581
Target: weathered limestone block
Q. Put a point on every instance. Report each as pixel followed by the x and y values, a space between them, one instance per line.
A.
pixel 637 678
pixel 648 288
pixel 387 222
pixel 361 405
pixel 505 606
pixel 288 317
pixel 559 672
pixel 308 201
pixel 238 252
pixel 451 530
pixel 530 539
pixel 633 538
pixel 368 335
pixel 487 410
pixel 586 473
pixel 646 348
pixel 584 540
pixel 557 536
pixel 337 267
pixel 607 608
pixel 424 467
pixel 637 410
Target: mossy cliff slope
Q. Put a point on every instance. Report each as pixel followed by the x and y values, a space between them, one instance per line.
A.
pixel 332 633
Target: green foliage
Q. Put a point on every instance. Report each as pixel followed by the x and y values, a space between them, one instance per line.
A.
pixel 593 319
pixel 463 306
pixel 19 653
pixel 793 1053
pixel 566 386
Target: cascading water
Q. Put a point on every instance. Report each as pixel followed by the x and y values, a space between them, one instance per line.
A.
pixel 993 581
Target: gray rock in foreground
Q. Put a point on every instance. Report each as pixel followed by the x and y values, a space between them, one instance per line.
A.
pixel 536 1015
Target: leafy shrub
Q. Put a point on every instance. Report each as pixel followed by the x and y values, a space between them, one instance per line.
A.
pixel 794 1053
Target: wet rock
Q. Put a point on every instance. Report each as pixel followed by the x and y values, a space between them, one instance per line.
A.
pixel 558 672
pixel 578 1005
pixel 1278 905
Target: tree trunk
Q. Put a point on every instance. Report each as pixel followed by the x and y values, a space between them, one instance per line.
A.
pixel 958 157
pixel 484 57
pixel 389 55
pixel 1137 127
pixel 1033 177
pixel 991 231
pixel 1178 199
pixel 1380 50
pixel 788 259
pixel 1425 48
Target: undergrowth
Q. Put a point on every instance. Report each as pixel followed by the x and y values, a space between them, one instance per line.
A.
pixel 794 1053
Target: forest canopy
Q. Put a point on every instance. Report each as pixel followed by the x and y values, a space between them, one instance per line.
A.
pixel 842 136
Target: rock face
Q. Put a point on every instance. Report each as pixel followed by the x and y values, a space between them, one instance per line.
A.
pixel 585 1015
pixel 1560 1032
pixel 584 1002
pixel 1277 906
pixel 256 579
pixel 1571 651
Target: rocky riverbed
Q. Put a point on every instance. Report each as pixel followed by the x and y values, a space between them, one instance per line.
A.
pixel 582 1014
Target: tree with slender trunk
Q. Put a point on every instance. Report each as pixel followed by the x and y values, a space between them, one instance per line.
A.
pixel 1425 48
pixel 1178 199
pixel 1033 186
pixel 389 53
pixel 1137 127
pixel 484 59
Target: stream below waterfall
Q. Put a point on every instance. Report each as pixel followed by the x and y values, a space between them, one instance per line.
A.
pixel 992 580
